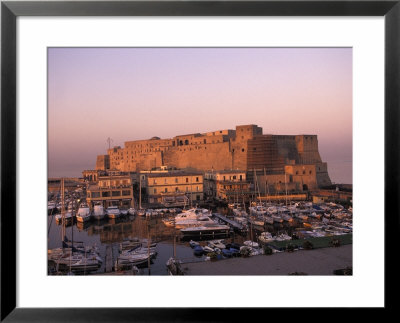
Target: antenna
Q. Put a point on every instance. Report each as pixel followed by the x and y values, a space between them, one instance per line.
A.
pixel 109 140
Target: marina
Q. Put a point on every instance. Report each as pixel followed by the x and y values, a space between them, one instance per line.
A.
pixel 158 240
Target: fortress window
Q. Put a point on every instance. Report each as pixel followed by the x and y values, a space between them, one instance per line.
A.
pixel 186 142
pixel 205 141
pixel 233 150
pixel 304 172
pixel 180 142
pixel 240 177
pixel 297 172
pixel 310 172
pixel 187 180
pixel 166 190
pixel 176 189
pixel 197 179
pixel 242 149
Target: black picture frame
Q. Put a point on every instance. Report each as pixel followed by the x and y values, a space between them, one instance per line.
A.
pixel 11 10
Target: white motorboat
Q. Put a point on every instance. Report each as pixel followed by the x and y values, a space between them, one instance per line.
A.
pixel 124 211
pixel 265 237
pixel 302 217
pixel 67 216
pixel 241 220
pixel 207 230
pixel 192 218
pixel 113 212
pixel 276 218
pixel 258 210
pixel 268 220
pixel 217 244
pixel 98 212
pixel 208 249
pixel 169 222
pixel 193 243
pixel 84 213
pixel 251 244
pixel 287 218
pixel 282 237
pixel 255 221
pixel 132 211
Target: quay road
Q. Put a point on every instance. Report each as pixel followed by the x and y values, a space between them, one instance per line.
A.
pixel 321 261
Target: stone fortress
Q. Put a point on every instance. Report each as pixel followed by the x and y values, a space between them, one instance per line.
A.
pixel 277 162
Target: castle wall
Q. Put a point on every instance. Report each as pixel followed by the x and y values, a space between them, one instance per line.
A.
pixel 307 147
pixel 262 152
pixel 322 175
pixel 202 157
pixel 245 148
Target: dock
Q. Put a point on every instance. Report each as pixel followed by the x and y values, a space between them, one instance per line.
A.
pixel 236 226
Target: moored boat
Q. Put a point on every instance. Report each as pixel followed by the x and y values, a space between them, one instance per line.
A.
pixel 265 237
pixel 98 212
pixel 84 214
pixel 207 229
pixel 113 212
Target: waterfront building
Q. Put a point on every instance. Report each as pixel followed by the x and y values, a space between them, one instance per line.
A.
pixel 227 185
pixel 245 148
pixel 92 175
pixel 115 188
pixel 174 187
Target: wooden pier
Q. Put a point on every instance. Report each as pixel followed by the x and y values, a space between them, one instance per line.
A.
pixel 236 226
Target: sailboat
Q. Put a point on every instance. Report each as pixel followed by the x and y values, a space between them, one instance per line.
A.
pixel 70 258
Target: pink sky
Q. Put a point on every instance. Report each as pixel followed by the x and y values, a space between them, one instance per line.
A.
pixel 138 93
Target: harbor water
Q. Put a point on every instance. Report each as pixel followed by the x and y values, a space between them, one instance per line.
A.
pixel 107 235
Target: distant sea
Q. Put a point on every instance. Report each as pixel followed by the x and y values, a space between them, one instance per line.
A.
pixel 340 172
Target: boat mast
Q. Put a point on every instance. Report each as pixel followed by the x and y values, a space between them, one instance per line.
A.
pixel 140 191
pixel 285 187
pixel 191 191
pixel 174 239
pixel 266 184
pixel 62 212
pixel 256 186
pixel 148 245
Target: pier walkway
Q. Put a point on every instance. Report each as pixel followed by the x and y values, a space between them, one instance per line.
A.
pixel 311 262
pixel 232 223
